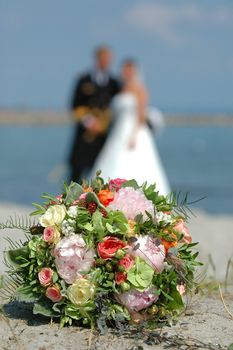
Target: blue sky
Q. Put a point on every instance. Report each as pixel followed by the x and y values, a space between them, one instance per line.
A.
pixel 185 49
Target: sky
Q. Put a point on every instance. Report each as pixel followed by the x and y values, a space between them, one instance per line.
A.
pixel 185 50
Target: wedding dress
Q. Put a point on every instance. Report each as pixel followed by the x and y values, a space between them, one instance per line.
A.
pixel 117 159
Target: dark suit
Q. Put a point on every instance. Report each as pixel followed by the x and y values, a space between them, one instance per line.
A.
pixel 90 97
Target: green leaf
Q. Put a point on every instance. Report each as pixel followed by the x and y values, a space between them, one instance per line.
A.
pixel 55 277
pixel 92 197
pixel 44 308
pixel 88 227
pixel 131 183
pixel 98 224
pixel 140 275
pixel 176 302
pixel 39 211
pixel 1 281
pixel 13 256
pixel 74 191
pixel 25 293
pixel 230 347
pixel 111 229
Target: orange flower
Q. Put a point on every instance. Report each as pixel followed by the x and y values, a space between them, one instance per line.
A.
pixel 105 197
pixel 169 244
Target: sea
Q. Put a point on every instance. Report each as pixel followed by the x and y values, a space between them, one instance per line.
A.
pixel 198 160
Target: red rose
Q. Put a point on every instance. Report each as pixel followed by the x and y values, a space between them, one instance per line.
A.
pixel 105 197
pixel 127 262
pixel 120 277
pixel 108 248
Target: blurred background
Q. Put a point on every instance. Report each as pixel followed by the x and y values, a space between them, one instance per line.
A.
pixel 186 53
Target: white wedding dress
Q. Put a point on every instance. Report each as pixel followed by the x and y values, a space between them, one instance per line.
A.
pixel 117 160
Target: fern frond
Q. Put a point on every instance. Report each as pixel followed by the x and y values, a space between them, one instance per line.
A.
pixel 13 244
pixel 181 204
pixel 9 286
pixel 17 222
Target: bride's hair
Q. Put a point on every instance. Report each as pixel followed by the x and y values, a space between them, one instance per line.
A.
pixel 129 62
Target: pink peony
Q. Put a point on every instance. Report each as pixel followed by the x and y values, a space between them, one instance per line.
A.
pixel 51 234
pixel 73 258
pixel 134 300
pixel 45 276
pixel 149 250
pixel 115 184
pixel 54 294
pixel 132 202
pixel 183 229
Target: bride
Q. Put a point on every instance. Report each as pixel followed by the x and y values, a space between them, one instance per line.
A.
pixel 130 151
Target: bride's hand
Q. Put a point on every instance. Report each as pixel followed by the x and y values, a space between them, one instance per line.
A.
pixel 132 143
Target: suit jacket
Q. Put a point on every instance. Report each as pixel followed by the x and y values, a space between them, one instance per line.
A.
pixel 88 93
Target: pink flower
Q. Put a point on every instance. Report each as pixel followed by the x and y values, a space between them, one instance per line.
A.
pixel 108 248
pixel 127 262
pixel 183 229
pixel 120 277
pixel 51 234
pixel 73 258
pixel 132 202
pixel 45 276
pixel 54 294
pixel 59 198
pixel 150 250
pixel 134 300
pixel 115 184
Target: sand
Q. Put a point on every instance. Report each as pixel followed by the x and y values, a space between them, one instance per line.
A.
pixel 206 325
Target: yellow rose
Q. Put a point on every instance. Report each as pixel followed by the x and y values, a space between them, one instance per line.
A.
pixel 81 291
pixel 54 215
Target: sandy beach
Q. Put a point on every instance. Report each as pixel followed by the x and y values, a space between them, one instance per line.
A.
pixel 205 324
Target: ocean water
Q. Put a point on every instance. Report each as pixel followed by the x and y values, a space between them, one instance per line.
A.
pixel 197 160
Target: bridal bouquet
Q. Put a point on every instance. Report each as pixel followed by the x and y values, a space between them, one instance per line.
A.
pixel 104 254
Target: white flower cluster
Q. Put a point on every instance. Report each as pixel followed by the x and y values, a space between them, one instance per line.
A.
pixel 163 217
pixel 68 227
pixel 72 211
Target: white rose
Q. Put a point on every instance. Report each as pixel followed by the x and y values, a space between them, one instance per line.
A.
pixel 54 215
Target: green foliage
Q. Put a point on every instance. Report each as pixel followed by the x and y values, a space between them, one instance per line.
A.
pixel 45 307
pixel 116 223
pixel 25 293
pixel 15 256
pixel 130 183
pixel 140 275
pixel 180 203
pixel 72 193
pixel 98 225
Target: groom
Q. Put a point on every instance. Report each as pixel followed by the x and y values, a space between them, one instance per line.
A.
pixel 90 106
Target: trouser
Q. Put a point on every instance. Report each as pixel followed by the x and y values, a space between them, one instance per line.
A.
pixel 83 153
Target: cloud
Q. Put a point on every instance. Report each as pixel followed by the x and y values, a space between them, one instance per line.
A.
pixel 166 21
